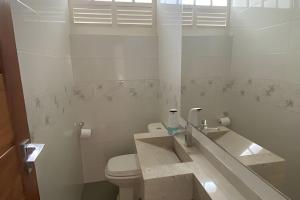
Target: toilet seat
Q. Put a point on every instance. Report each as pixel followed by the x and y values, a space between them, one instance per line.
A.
pixel 123 166
pixel 124 171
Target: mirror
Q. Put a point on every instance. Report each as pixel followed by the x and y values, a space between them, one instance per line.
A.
pixel 246 67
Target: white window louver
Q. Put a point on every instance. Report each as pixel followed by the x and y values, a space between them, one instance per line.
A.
pixel 205 13
pixel 132 15
pixel 114 14
pixel 200 16
pixel 213 16
pixel 86 15
pixel 187 16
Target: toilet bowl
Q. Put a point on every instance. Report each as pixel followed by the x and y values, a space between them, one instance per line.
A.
pixel 124 171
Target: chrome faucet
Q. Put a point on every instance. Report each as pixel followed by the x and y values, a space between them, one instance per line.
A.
pixel 205 129
pixel 191 121
pixel 204 125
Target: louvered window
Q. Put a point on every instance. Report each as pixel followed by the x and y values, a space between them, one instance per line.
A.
pixel 113 13
pixel 278 4
pixel 95 15
pixel 204 13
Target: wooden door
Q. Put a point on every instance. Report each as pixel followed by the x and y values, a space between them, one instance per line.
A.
pixel 15 182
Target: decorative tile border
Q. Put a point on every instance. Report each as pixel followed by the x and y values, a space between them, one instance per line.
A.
pixel 284 95
pixel 49 109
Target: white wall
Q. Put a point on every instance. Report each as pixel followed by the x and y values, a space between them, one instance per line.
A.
pixel 265 65
pixel 116 94
pixel 169 51
pixel 42 36
pixel 206 60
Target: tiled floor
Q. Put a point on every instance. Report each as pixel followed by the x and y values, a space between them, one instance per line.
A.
pixel 99 191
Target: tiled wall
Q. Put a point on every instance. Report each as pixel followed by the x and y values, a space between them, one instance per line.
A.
pixel 169 48
pixel 42 30
pixel 265 90
pixel 116 94
pixel 205 71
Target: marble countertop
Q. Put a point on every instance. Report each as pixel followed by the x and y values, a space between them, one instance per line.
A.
pixel 191 173
pixel 246 151
pixel 213 184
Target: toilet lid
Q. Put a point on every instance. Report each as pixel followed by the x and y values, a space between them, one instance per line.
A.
pixel 124 165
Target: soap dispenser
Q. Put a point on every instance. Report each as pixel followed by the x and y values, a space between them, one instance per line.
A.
pixel 173 123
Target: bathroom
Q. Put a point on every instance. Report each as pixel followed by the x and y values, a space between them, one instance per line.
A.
pixel 149 100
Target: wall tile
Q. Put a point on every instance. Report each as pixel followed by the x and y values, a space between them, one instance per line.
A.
pixel 115 93
pixel 47 78
pixel 266 52
pixel 169 45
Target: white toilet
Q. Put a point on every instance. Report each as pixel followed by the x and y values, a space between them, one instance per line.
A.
pixel 124 171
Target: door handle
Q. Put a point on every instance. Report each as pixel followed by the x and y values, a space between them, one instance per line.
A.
pixel 31 153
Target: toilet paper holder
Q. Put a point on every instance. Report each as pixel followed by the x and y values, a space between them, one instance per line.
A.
pixel 84 132
pixel 79 124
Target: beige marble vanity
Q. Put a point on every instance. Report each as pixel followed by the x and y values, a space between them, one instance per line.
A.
pixel 264 162
pixel 172 171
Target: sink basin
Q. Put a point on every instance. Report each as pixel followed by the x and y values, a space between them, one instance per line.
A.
pixel 162 160
pixel 214 133
pixel 183 187
pixel 163 150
